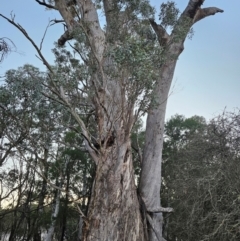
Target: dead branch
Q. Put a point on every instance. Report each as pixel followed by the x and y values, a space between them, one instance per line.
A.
pixel 18 26
pixel 163 36
pixel 64 38
pixel 161 210
pixel 46 4
pixel 44 35
pixel 205 12
pixel 194 11
pixel 55 21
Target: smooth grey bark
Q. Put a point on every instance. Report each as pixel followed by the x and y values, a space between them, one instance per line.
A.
pixel 80 228
pixel 150 180
pixel 56 205
pixel 55 211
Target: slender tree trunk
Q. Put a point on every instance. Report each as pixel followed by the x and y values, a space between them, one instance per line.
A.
pixel 80 228
pixel 37 230
pixel 56 207
pixel 65 208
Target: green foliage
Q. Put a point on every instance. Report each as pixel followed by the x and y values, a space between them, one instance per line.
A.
pixel 179 130
pixel 200 178
pixel 135 55
pixel 74 154
pixel 39 146
pixel 168 14
pixel 138 7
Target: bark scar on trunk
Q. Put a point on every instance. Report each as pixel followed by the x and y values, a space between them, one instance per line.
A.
pixel 126 156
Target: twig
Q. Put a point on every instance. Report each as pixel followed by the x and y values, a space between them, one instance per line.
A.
pixel 161 210
pixel 44 35
pixel 55 21
pixel 32 42
pixel 80 211
pixel 84 60
pixel 46 4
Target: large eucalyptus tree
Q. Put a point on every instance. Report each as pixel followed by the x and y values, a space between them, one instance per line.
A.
pixel 125 71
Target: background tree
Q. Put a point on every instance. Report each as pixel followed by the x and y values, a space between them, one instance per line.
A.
pixel 38 156
pixel 200 178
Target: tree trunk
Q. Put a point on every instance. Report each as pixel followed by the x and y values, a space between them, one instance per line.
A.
pixel 55 211
pixel 36 223
pixel 65 208
pixel 114 212
pixel 150 181
pixel 173 45
pixel 80 228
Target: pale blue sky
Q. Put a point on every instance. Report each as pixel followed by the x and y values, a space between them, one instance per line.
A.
pixel 207 78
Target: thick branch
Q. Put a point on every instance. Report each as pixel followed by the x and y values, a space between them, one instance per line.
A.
pixel 61 5
pixel 194 11
pixel 87 142
pixel 64 38
pixel 192 8
pixel 190 15
pixel 161 210
pixel 205 12
pixel 95 34
pixel 162 34
pixel 89 21
pixel 109 11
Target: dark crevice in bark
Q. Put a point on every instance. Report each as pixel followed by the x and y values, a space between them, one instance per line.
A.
pixel 126 156
pixel 121 180
pixel 109 142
